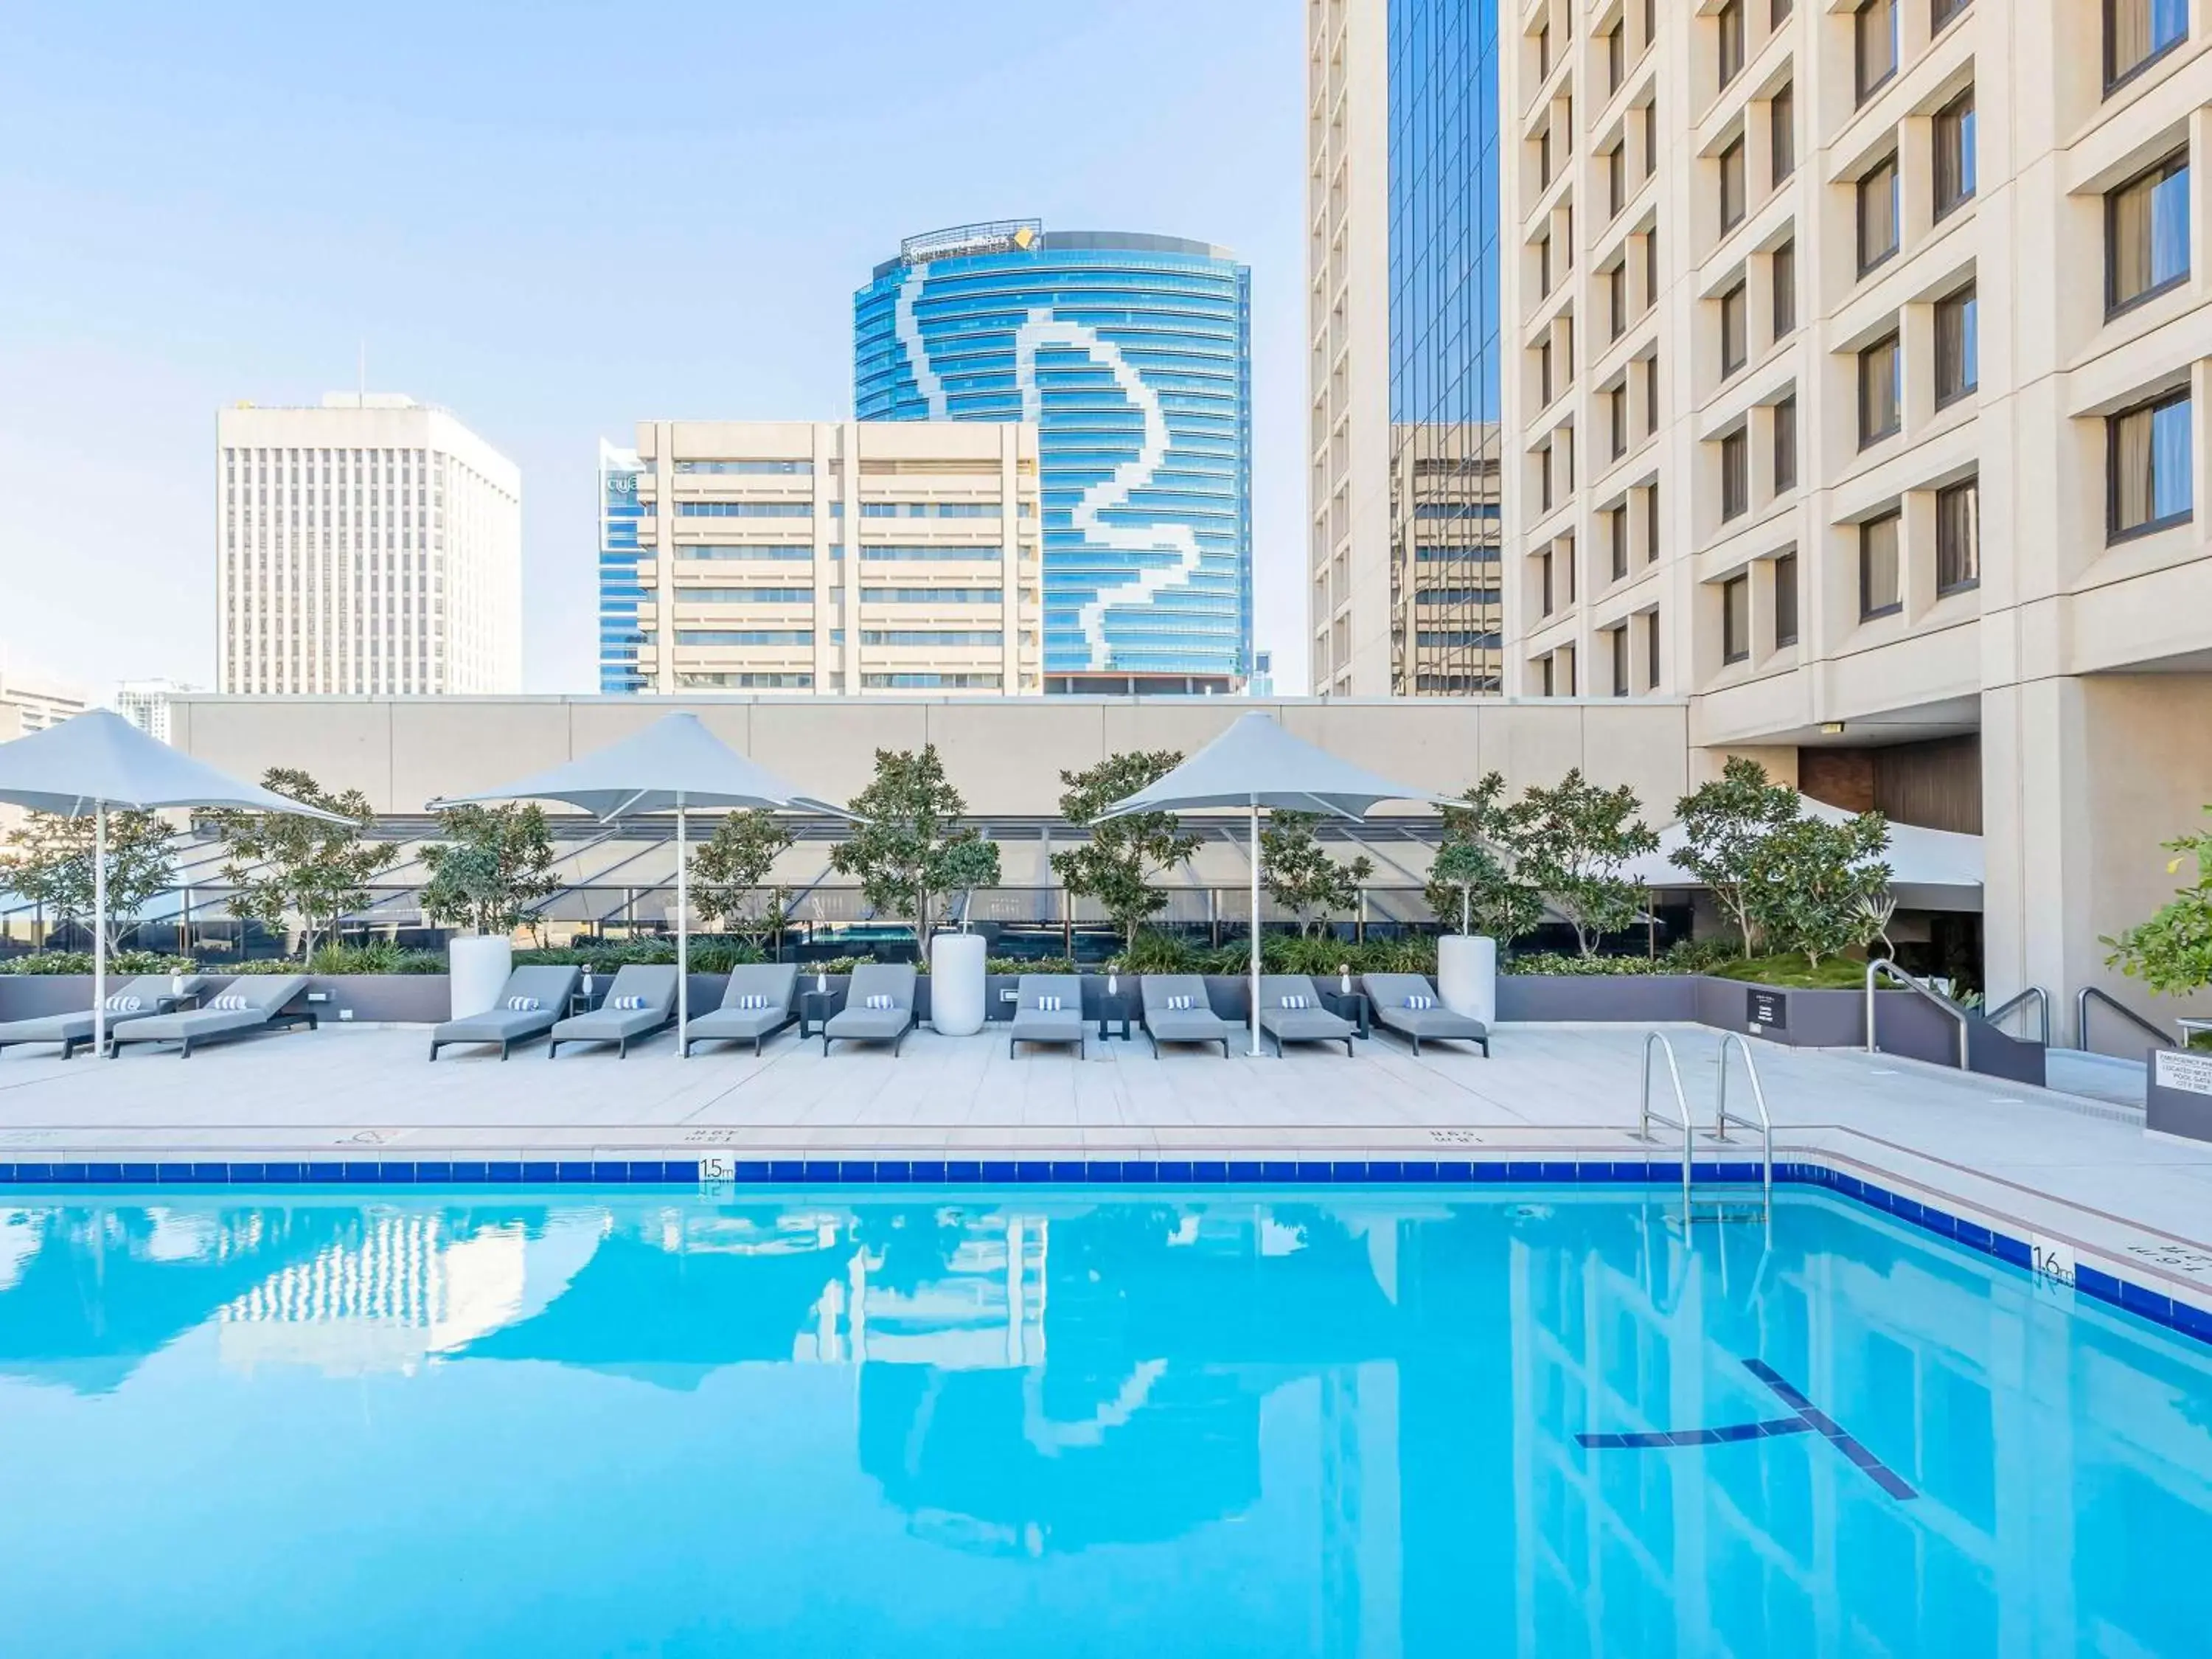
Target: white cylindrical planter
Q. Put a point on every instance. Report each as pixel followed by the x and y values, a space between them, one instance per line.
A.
pixel 1466 975
pixel 479 967
pixel 956 984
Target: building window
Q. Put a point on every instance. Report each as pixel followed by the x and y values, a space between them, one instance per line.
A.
pixel 1651 650
pixel 1543 51
pixel 1785 445
pixel 1782 126
pixel 1617 418
pixel 1651 394
pixel 1543 267
pixel 1957 346
pixel 1954 153
pixel 1785 289
pixel 1875 32
pixel 1543 158
pixel 1616 180
pixel 1616 541
pixel 1878 593
pixel 1940 12
pixel 2149 464
pixel 1785 601
pixel 1544 580
pixel 1732 186
pixel 1616 58
pixel 2138 33
pixel 2147 234
pixel 1545 668
pixel 1735 474
pixel 1544 373
pixel 1881 391
pixel 1616 299
pixel 1731 40
pixel 1735 619
pixel 1652 137
pixel 1878 214
pixel 1619 643
pixel 1651 525
pixel 1651 267
pixel 1735 329
pixel 1778 12
pixel 1958 538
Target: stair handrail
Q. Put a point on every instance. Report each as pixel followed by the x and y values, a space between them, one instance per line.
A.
pixel 2090 993
pixel 1882 967
pixel 2042 999
pixel 1648 1117
pixel 1763 1123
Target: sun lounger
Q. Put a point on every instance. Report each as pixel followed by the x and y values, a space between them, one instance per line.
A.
pixel 1291 1011
pixel 137 999
pixel 758 1003
pixel 1409 1006
pixel 1176 1010
pixel 1047 1008
pixel 889 985
pixel 529 1004
pixel 641 1001
pixel 250 1003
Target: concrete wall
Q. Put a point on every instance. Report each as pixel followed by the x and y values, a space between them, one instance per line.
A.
pixel 1005 755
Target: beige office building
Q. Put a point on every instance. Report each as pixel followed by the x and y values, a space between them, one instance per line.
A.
pixel 31 702
pixel 839 558
pixel 1856 350
pixel 371 545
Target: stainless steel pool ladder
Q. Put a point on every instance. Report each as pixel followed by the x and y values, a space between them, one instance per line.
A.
pixel 1682 1106
pixel 1763 1123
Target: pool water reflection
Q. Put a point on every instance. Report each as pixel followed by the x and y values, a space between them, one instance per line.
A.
pixel 1378 1423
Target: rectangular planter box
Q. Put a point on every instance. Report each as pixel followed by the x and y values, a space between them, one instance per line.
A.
pixel 1633 999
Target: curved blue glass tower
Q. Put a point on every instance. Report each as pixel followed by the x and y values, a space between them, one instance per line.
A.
pixel 1133 354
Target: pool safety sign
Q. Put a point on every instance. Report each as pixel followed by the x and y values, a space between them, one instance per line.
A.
pixel 1766 1011
pixel 2191 1074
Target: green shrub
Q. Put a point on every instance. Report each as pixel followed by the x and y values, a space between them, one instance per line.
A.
pixel 1034 965
pixel 1791 971
pixel 126 964
pixel 374 959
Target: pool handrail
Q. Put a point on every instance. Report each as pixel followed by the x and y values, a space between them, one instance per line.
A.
pixel 2091 994
pixel 1882 967
pixel 1765 1124
pixel 2042 1000
pixel 1648 1116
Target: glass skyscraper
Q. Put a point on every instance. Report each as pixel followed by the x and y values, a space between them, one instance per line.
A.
pixel 621 592
pixel 1132 355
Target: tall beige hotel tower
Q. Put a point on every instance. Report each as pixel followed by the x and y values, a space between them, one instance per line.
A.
pixel 1853 352
pixel 371 545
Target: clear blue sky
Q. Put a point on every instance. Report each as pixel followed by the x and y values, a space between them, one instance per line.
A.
pixel 556 220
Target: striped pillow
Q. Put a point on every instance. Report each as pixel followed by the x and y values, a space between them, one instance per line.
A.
pixel 123 1003
pixel 753 1000
pixel 1417 1000
pixel 522 1004
pixel 228 1003
pixel 1181 1004
pixel 879 1000
pixel 1048 1004
pixel 1292 1002
pixel 628 1005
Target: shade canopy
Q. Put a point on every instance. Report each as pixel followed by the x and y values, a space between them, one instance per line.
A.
pixel 1929 869
pixel 99 759
pixel 675 762
pixel 1256 763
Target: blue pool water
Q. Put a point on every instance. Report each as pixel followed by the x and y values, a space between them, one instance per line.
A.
pixel 1066 1422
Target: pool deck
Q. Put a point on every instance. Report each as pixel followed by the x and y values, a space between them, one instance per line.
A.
pixel 2059 1166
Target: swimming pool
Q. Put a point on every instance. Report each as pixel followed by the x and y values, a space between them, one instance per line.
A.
pixel 1375 1422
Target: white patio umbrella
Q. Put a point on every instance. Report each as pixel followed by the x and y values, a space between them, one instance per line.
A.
pixel 672 766
pixel 1256 764
pixel 1929 869
pixel 98 760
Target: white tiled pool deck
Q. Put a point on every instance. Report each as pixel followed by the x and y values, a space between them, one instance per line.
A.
pixel 2056 1165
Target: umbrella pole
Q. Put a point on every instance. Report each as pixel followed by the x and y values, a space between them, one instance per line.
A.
pixel 1255 930
pixel 100 930
pixel 682 939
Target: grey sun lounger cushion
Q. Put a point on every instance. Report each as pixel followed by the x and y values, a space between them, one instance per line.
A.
pixel 153 992
pixel 1396 1000
pixel 505 1024
pixel 757 1002
pixel 1047 1008
pixel 1282 1018
pixel 858 1023
pixel 610 1022
pixel 263 1002
pixel 1177 1010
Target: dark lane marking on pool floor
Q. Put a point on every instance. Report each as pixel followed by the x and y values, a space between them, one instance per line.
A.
pixel 1810 1419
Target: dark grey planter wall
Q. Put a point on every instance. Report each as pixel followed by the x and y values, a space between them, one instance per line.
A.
pixel 1809 1019
pixel 2175 1111
pixel 1631 998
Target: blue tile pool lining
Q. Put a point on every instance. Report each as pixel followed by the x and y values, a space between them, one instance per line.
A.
pixel 2148 1303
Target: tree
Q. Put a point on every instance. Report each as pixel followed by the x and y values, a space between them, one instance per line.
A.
pixel 1116 866
pixel 968 863
pixel 2171 952
pixel 1573 840
pixel 280 865
pixel 909 815
pixel 1473 877
pixel 494 863
pixel 49 861
pixel 1302 877
pixel 731 867
pixel 1723 823
pixel 1812 883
